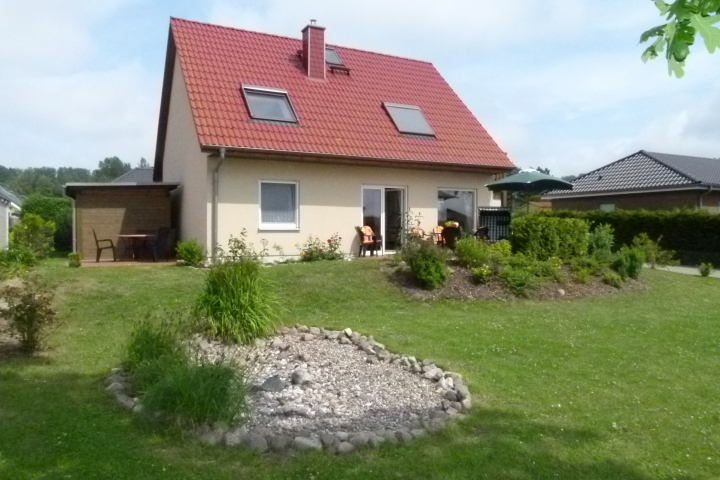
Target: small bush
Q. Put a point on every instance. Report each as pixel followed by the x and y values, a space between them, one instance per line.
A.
pixel 613 279
pixel 16 261
pixel 240 249
pixel 197 392
pixel 236 303
pixel 654 254
pixel 471 252
pixel 545 237
pixel 503 247
pixel 153 346
pixel 601 241
pixel 74 260
pixel 35 234
pixel 583 275
pixel 481 274
pixel 56 210
pixel 706 269
pixel 190 252
pixel 426 262
pixel 629 262
pixel 587 263
pixel 30 312
pixel 546 268
pixel 315 249
pixel 520 281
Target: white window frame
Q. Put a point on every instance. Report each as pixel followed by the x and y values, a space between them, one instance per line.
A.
pixel 475 202
pixel 280 226
pixel 270 91
pixel 405 207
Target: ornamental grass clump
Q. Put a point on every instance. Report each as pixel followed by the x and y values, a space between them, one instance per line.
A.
pixel 237 303
pixel 152 348
pixel 706 269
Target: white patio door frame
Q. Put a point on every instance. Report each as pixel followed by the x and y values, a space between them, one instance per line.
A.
pixel 382 188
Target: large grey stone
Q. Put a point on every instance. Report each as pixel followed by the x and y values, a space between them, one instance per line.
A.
pixel 418 432
pixel 435 424
pixel 359 439
pixel 125 401
pixel 466 404
pixel 328 440
pixel 307 337
pixel 345 447
pixel 390 437
pixel 315 331
pixel 375 440
pixel 342 436
pixel 257 443
pixel 348 333
pixel 404 436
pixel 301 377
pixel 273 384
pixel 462 392
pixel 259 342
pixel 432 374
pixel 115 387
pixel 212 438
pixel 416 368
pixel 278 343
pixel 280 443
pixel 451 396
pixel 457 378
pixel 262 431
pixel 236 437
pixel 428 368
pixel 303 329
pixel 428 361
pixel 305 444
pixel 345 341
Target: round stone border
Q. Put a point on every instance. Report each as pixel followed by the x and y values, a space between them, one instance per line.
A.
pixel 457 401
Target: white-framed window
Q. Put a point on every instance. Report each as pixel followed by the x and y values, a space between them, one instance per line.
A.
pixel 279 205
pixel 457 205
pixel 271 104
pixel 409 119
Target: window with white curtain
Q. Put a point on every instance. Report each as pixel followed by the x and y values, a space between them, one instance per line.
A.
pixel 278 205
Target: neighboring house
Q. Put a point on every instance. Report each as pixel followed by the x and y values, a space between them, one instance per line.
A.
pixel 645 180
pixel 10 206
pixel 136 175
pixel 288 138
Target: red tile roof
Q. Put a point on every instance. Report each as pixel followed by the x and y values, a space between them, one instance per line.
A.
pixel 340 116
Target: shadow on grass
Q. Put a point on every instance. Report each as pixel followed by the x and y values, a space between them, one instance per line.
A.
pixel 66 426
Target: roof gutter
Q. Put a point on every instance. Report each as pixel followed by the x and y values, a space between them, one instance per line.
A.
pixel 215 196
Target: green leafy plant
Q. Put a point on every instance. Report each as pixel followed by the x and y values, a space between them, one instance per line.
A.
pixel 654 254
pixel 30 312
pixel 612 279
pixel 601 241
pixel 544 237
pixel 74 260
pixel 240 249
pixel 34 233
pixel 56 210
pixel 686 18
pixel 520 281
pixel 588 263
pixel 471 252
pixel 503 247
pixel 629 262
pixel 237 303
pixel 315 249
pixel 427 263
pixel 706 269
pixel 15 261
pixel 582 275
pixel 481 274
pixel 190 252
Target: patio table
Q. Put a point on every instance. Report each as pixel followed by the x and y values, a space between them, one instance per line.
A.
pixel 134 243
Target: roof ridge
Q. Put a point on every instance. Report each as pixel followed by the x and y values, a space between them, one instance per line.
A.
pixel 298 39
pixel 680 172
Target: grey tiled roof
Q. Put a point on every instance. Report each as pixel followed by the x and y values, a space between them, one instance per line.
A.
pixel 644 170
pixel 136 175
pixel 9 196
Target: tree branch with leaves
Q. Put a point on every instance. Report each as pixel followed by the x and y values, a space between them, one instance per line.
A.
pixel 686 19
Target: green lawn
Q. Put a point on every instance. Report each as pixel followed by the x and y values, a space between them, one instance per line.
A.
pixel 624 387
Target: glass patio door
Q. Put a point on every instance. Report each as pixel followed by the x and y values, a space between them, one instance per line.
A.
pixel 383 208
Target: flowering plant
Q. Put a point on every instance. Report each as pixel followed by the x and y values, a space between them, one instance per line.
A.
pixel 451 224
pixel 315 249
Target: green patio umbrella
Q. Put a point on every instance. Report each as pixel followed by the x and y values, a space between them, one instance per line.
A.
pixel 529 180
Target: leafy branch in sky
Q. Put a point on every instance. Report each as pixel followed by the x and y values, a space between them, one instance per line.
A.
pixel 685 19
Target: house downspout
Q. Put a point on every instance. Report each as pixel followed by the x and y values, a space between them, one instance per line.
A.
pixel 216 188
pixel 709 191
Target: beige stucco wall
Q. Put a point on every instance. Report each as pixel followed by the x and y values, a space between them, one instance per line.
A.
pixel 186 164
pixel 330 197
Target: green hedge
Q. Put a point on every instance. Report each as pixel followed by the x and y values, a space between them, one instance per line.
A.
pixel 56 210
pixel 544 237
pixel 693 234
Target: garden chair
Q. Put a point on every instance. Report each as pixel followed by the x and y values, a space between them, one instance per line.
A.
pixel 368 239
pixel 437 235
pixel 162 244
pixel 418 233
pixel 104 244
pixel 482 233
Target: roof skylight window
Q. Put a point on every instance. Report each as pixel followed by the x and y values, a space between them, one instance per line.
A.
pixel 269 104
pixel 409 119
pixel 332 57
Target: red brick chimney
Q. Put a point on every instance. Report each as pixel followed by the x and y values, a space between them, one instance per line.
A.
pixel 314 50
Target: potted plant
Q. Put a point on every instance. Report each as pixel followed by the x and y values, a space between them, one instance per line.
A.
pixel 450 233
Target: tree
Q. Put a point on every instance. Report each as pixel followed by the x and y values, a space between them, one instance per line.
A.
pixel 686 18
pixel 109 169
pixel 143 163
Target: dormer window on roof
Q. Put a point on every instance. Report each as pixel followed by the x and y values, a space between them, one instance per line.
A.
pixel 271 104
pixel 409 119
pixel 332 57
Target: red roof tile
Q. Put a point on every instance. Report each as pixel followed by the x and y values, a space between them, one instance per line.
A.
pixel 342 115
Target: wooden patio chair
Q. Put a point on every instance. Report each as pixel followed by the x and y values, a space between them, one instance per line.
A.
pixel 101 245
pixel 437 235
pixel 368 239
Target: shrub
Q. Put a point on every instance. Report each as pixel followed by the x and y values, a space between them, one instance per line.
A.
pixel 503 247
pixel 706 269
pixel 481 274
pixel 236 303
pixel 654 254
pixel 613 279
pixel 471 252
pixel 582 275
pixel 197 392
pixel 545 237
pixel 74 260
pixel 152 347
pixel 600 242
pixel 56 210
pixel 426 262
pixel 587 263
pixel 35 234
pixel 315 249
pixel 30 311
pixel 546 268
pixel 629 262
pixel 190 252
pixel 15 261
pixel 240 249
pixel 520 281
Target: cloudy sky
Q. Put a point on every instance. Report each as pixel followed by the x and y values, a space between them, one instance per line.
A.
pixel 558 83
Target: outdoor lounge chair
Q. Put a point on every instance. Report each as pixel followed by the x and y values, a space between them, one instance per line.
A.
pixel 437 235
pixel 105 244
pixel 368 239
